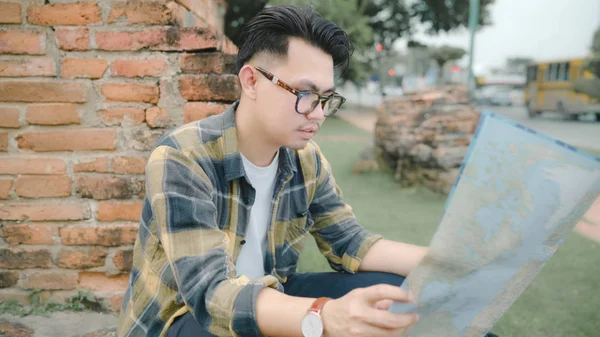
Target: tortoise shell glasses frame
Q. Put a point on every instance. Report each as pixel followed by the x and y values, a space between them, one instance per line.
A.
pixel 307 100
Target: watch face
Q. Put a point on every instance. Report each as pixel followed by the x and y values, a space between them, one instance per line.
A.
pixel 312 325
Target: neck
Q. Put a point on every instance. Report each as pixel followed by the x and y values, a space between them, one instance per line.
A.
pixel 251 142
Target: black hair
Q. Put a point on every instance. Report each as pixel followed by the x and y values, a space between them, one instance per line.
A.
pixel 269 31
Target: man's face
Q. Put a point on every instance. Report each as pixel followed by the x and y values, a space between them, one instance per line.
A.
pixel 307 68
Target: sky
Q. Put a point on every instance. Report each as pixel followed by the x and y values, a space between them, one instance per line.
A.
pixel 540 29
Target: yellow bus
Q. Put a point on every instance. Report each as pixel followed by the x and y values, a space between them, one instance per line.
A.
pixel 550 88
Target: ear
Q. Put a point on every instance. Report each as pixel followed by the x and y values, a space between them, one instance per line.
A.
pixel 248 81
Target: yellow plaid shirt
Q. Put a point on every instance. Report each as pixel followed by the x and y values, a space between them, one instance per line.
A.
pixel 195 215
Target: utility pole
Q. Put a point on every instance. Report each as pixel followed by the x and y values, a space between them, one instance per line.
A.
pixel 473 25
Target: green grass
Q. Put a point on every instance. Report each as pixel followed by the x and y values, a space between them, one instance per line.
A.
pixel 563 300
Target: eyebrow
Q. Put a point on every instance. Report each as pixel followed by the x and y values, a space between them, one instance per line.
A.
pixel 314 87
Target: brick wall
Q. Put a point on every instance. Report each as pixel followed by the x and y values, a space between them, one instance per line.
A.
pixel 86 88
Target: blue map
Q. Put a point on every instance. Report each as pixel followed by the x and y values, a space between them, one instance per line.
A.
pixel 519 194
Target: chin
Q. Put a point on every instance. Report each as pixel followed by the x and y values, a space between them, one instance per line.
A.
pixel 298 145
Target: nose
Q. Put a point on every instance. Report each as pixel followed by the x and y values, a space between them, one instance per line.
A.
pixel 317 114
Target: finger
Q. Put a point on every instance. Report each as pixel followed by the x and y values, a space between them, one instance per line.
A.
pixel 379 292
pixel 388 320
pixel 384 304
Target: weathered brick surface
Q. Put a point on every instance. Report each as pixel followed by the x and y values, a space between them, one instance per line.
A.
pixel 87 88
pixel 82 258
pixel 69 140
pixel 35 91
pixel 119 211
pixel 9 118
pixel 24 41
pixel 10 12
pixel 53 114
pixel 109 187
pixel 64 14
pixel 108 236
pixel 43 212
pixel 39 66
pixel 21 259
pixel 29 234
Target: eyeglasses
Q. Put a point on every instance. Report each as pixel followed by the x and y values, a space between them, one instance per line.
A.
pixel 308 100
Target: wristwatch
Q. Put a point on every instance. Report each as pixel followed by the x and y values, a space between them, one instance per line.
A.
pixel 312 324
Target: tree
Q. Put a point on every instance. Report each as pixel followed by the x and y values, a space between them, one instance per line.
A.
pixel 443 54
pixel 518 65
pixel 591 86
pixel 239 12
pixel 443 15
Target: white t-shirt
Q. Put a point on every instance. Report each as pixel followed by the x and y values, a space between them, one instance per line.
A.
pixel 252 254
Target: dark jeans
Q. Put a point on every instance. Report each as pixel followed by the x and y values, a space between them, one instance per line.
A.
pixel 331 284
pixel 315 285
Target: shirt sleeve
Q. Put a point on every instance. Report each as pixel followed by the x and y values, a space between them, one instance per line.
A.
pixel 181 195
pixel 342 240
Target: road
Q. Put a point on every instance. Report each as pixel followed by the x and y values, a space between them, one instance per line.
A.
pixel 583 133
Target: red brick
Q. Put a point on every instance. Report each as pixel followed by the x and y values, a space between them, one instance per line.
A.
pixel 67 14
pixel 5 188
pixel 43 212
pixel 204 63
pixel 8 278
pixel 209 87
pixel 51 280
pixel 123 260
pixel 119 211
pixel 9 118
pixel 160 39
pixel 28 234
pixel 108 236
pixel 25 165
pixel 123 116
pixel 130 41
pixel 194 111
pixel 73 39
pixel 38 66
pixel 10 12
pixel 151 13
pixel 138 68
pixel 116 302
pixel 22 42
pixel 53 114
pixel 102 282
pixel 157 117
pixel 99 165
pixel 69 140
pixel 20 91
pixel 82 258
pixel 83 68
pixel 109 188
pixel 129 165
pixel 3 141
pixel 23 259
pixel 43 186
pixel 131 92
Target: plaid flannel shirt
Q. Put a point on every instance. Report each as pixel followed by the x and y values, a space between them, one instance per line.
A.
pixel 195 216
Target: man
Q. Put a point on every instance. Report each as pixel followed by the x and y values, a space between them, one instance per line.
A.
pixel 230 200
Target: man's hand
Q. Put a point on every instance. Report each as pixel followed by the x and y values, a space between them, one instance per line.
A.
pixel 364 312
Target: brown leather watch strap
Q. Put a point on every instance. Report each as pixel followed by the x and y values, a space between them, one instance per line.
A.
pixel 318 304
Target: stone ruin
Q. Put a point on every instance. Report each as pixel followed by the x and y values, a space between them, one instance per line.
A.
pixel 423 137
